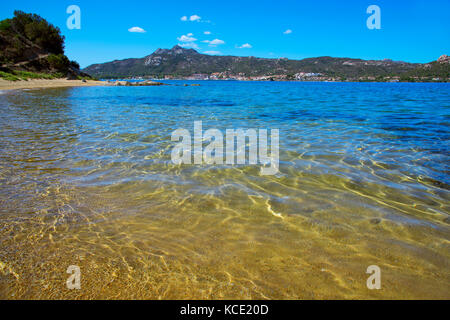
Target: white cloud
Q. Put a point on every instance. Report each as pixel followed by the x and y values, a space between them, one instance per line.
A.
pixel 189 45
pixel 193 18
pixel 245 45
pixel 288 31
pixel 214 42
pixel 213 52
pixel 187 38
pixel 207 32
pixel 136 29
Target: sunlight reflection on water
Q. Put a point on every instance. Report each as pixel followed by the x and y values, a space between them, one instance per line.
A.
pixel 86 179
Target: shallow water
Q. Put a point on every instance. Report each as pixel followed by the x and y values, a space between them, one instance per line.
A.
pixel 86 179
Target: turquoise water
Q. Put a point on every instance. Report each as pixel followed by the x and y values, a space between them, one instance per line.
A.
pixel 86 179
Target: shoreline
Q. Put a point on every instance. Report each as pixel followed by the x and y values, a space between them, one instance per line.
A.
pixel 247 80
pixel 45 83
pixel 6 85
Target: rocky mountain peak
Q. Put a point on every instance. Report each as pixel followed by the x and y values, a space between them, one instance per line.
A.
pixel 160 51
pixel 180 50
pixel 176 50
pixel 444 59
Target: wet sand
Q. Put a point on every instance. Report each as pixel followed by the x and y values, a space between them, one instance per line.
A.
pixel 43 83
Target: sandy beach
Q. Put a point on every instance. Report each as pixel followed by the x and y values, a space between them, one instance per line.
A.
pixel 42 83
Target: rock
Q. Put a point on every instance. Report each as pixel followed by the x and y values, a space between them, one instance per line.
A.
pixel 375 221
pixel 83 80
pixel 137 84
pixel 120 83
pixel 151 83
pixel 444 59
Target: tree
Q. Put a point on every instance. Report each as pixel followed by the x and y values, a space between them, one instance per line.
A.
pixel 38 31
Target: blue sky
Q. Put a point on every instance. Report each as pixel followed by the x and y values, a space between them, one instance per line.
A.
pixel 411 30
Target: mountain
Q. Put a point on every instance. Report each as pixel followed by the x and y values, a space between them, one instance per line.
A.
pixel 181 62
pixel 32 47
pixel 439 69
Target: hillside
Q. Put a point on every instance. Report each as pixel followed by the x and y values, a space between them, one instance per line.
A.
pixel 180 62
pixel 437 70
pixel 30 47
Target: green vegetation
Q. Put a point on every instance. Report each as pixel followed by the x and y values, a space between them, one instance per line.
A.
pixel 5 25
pixel 31 27
pixel 430 71
pixel 17 75
pixel 58 62
pixel 8 76
pixel 32 48
pixel 75 65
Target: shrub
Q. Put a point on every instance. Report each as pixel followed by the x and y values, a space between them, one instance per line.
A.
pixel 5 25
pixel 58 62
pixel 25 75
pixel 8 76
pixel 75 65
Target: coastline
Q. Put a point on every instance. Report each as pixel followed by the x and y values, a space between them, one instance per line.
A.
pixel 44 83
pixel 6 85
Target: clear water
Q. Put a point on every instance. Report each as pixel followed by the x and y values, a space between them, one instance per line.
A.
pixel 86 179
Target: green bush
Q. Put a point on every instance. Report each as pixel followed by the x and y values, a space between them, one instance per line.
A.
pixel 58 62
pixel 8 76
pixel 25 75
pixel 75 65
pixel 5 25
